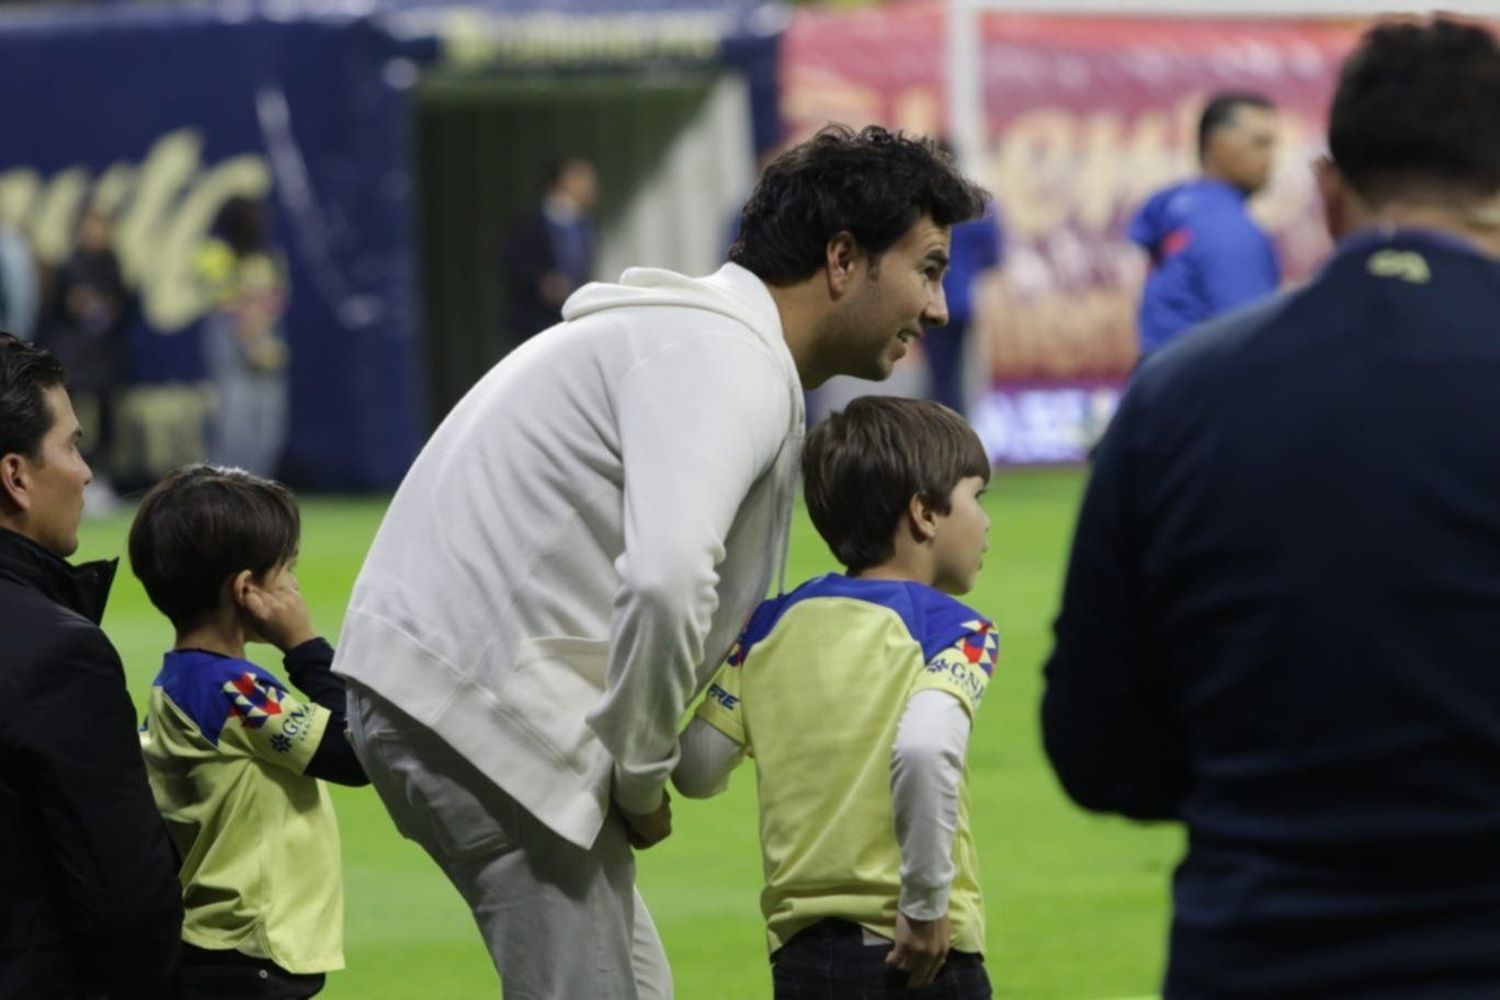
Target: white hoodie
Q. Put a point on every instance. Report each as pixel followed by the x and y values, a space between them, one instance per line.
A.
pixel 577 547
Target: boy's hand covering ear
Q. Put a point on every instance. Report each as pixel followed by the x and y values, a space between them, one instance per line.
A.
pixel 276 612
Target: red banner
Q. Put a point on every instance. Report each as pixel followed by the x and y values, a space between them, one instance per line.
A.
pixel 1083 118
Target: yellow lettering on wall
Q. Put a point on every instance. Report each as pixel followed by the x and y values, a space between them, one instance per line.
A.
pixel 169 165
pixel 55 214
pixel 17 191
pixel 163 209
pixel 172 295
pixel 113 186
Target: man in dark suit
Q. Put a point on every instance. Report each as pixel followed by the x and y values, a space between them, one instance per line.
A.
pixel 550 252
pixel 89 901
pixel 1281 625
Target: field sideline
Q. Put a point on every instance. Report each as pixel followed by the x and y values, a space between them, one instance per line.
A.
pixel 1076 904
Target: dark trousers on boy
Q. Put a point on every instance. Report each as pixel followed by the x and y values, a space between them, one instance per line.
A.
pixel 229 975
pixel 840 960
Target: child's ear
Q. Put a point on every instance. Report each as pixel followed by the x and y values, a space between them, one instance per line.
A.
pixel 922 517
pixel 239 586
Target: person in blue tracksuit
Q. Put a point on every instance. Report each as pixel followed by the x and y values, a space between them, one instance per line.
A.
pixel 1207 255
pixel 1279 623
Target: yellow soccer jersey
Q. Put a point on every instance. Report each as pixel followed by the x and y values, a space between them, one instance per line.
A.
pixel 225 746
pixel 814 692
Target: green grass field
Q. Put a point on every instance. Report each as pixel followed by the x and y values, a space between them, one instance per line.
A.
pixel 1076 904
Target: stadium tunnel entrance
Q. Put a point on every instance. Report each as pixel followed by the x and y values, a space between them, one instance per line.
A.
pixel 674 156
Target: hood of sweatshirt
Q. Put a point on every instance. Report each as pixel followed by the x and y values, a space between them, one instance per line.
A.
pixel 733 292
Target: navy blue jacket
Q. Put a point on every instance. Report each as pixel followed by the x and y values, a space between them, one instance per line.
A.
pixel 89 900
pixel 1207 257
pixel 1281 626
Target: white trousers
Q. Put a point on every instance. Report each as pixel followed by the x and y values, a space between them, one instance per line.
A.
pixel 560 922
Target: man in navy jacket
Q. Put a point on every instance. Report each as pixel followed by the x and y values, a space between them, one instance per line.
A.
pixel 1281 625
pixel 89 901
pixel 1207 255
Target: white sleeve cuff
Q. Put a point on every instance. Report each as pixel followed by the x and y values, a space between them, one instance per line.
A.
pixel 923 903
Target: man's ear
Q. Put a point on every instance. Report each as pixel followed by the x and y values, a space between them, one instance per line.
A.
pixel 15 482
pixel 841 256
pixel 1331 188
pixel 921 518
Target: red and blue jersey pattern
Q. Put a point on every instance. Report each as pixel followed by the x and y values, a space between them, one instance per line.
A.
pixel 212 689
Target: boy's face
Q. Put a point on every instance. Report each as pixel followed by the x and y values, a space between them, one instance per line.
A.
pixel 962 538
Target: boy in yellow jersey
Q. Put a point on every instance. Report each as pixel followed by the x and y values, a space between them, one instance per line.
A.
pixel 233 757
pixel 855 694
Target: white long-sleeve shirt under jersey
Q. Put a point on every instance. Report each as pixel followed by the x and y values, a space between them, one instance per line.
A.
pixel 927 766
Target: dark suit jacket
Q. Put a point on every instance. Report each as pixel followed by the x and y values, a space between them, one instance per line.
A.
pixel 1281 626
pixel 89 900
pixel 531 252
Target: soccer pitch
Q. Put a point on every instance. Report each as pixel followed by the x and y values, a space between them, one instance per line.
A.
pixel 1076 904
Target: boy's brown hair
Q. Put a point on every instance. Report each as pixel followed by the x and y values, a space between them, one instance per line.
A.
pixel 861 468
pixel 200 526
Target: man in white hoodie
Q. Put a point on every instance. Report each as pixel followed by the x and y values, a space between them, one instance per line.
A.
pixel 576 548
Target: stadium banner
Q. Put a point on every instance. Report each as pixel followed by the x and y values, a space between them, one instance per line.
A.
pixel 160 114
pixel 1084 118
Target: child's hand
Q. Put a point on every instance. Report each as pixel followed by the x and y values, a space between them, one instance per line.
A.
pixel 277 612
pixel 921 948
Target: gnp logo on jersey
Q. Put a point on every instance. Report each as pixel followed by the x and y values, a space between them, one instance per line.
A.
pixel 253 703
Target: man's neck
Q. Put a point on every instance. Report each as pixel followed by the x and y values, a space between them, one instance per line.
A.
pixel 17 526
pixel 1211 174
pixel 800 317
pixel 1477 224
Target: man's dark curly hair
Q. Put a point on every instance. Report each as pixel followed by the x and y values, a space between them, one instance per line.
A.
pixel 872 184
pixel 1418 107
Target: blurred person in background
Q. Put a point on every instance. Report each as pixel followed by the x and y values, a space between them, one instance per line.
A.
pixel 19 290
pixel 550 253
pixel 244 344
pixel 89 903
pixel 86 331
pixel 571 556
pixel 1279 623
pixel 1207 255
